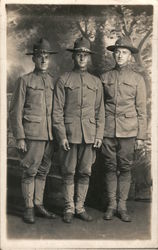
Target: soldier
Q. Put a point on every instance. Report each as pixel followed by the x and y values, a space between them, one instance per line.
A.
pixel 78 119
pixel 30 114
pixel 125 125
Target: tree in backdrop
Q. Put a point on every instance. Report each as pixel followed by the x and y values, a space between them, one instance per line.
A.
pixel 101 25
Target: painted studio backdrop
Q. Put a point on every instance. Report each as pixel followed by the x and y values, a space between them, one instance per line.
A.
pixel 61 25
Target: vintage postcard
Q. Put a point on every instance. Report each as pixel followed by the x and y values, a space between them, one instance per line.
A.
pixel 79 124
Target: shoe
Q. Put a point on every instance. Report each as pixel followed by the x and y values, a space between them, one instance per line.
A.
pixel 84 216
pixel 68 217
pixel 109 214
pixel 29 216
pixel 124 216
pixel 41 211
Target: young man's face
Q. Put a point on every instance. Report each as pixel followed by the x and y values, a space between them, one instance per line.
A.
pixel 41 61
pixel 122 56
pixel 81 60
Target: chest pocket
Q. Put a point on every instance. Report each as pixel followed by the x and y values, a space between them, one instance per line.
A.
pixel 35 93
pixel 92 87
pixel 128 88
pixel 90 93
pixel 72 93
pixel 71 87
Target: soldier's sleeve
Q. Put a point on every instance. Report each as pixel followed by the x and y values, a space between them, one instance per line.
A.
pixel 99 112
pixel 58 111
pixel 141 108
pixel 16 109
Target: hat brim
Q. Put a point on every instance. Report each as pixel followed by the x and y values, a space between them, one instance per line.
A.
pixel 132 49
pixel 47 52
pixel 81 50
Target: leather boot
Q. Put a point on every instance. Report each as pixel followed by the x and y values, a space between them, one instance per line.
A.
pixel 81 193
pixel 68 217
pixel 124 216
pixel 109 214
pixel 39 192
pixel 84 216
pixel 29 216
pixel 43 212
pixel 124 183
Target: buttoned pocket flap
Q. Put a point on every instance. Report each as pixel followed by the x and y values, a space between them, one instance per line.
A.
pixel 92 120
pixel 36 87
pixel 32 118
pixel 72 86
pixel 68 120
pixel 128 83
pixel 131 114
pixel 92 87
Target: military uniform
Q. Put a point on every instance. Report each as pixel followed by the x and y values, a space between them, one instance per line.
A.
pixel 31 120
pixel 78 115
pixel 125 121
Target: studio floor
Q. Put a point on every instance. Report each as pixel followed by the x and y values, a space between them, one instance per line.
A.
pixel 98 229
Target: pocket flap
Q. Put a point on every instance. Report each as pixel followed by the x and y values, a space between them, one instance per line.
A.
pixel 35 85
pixel 68 120
pixel 72 85
pixel 92 87
pixel 131 114
pixel 33 118
pixel 92 120
pixel 128 83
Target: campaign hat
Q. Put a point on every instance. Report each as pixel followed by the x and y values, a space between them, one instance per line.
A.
pixel 123 42
pixel 81 45
pixel 42 46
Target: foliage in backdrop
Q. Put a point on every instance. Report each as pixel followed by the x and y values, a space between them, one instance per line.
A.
pixel 101 25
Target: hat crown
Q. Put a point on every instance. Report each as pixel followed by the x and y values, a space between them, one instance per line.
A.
pixel 124 41
pixel 43 45
pixel 82 43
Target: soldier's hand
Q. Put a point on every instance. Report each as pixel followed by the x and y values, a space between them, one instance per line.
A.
pixel 21 145
pixel 65 144
pixel 97 143
pixel 139 144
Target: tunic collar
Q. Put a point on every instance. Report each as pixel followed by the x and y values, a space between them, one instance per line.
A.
pixel 40 73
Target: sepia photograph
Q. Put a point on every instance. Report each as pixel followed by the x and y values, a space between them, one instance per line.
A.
pixel 79 124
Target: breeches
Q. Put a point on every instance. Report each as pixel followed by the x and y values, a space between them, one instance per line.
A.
pixel 37 160
pixel 118 153
pixel 77 162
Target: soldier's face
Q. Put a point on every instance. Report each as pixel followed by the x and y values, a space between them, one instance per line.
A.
pixel 41 61
pixel 122 56
pixel 81 60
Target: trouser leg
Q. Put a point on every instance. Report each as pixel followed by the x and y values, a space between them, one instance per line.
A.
pixel 109 146
pixel 69 161
pixel 86 157
pixel 30 163
pixel 42 173
pixel 125 161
